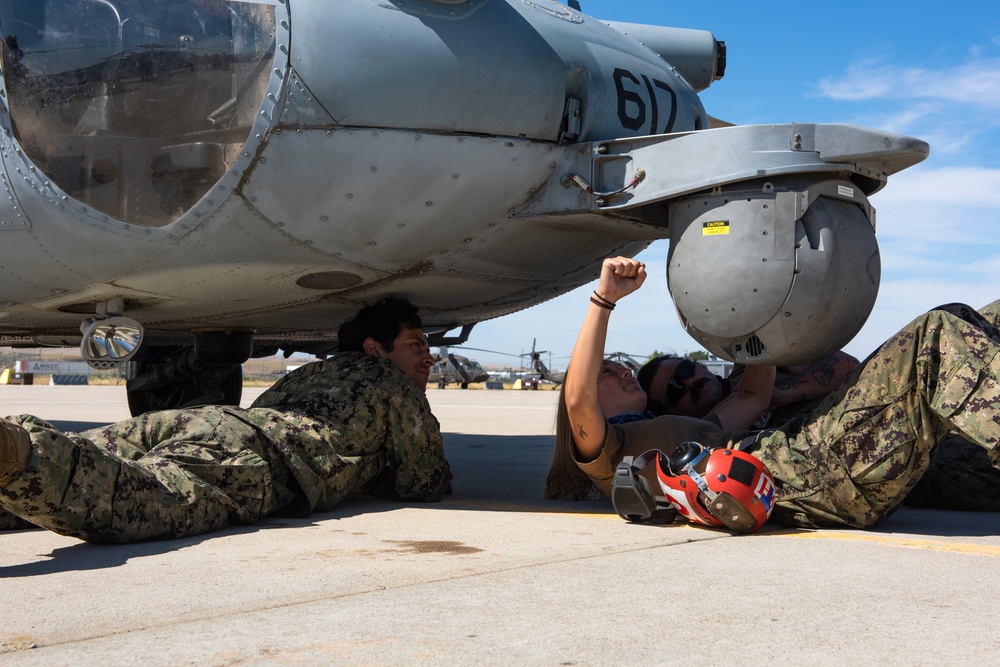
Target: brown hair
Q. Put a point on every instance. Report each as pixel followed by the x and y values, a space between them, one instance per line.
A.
pixel 645 378
pixel 383 321
pixel 565 480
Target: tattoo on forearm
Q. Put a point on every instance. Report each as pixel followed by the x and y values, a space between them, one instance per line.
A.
pixel 580 431
pixel 821 373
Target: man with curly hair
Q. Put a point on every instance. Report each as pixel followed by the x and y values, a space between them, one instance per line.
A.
pixel 358 422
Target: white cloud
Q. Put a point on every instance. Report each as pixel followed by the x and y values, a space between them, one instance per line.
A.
pixel 937 232
pixel 900 301
pixel 975 84
pixel 952 108
pixel 966 187
pixel 928 207
pixel 933 122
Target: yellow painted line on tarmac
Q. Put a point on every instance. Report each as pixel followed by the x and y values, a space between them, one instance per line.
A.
pixel 860 536
pixel 905 542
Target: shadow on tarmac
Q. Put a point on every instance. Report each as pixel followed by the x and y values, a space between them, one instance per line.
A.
pixel 942 523
pixel 494 473
pixel 85 556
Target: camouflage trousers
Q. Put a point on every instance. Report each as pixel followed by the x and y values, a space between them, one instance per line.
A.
pixel 960 475
pixel 164 474
pixel 852 460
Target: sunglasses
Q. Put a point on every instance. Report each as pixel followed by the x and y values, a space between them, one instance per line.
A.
pixel 675 390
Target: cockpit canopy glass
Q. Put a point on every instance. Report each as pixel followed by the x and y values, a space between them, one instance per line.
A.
pixel 135 107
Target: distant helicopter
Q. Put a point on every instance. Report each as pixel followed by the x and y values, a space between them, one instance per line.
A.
pixel 189 183
pixel 556 377
pixel 625 359
pixel 453 368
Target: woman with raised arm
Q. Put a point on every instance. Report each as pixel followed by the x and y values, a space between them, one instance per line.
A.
pixel 601 422
pixel 848 462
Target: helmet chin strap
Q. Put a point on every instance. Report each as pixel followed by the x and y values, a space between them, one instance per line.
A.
pixel 699 481
pixel 631 496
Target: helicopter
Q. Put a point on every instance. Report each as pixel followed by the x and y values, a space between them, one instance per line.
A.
pixel 625 359
pixel 536 371
pixel 453 368
pixel 553 376
pixel 191 183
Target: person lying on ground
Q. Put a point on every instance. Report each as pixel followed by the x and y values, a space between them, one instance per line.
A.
pixel 848 463
pixel 358 422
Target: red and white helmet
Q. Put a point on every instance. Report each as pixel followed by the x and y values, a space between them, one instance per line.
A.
pixel 717 487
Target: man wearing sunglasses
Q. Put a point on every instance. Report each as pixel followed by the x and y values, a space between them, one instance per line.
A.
pixel 960 475
pixel 850 462
pixel 678 386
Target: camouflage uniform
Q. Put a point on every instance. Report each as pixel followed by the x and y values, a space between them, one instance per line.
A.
pixel 328 429
pixel 851 461
pixel 960 475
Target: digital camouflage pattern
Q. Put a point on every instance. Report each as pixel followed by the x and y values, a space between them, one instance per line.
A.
pixel 851 461
pixel 165 474
pixel 960 475
pixel 388 440
pixel 328 429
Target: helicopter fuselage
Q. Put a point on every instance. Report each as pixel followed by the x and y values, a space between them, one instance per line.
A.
pixel 292 160
pixel 223 178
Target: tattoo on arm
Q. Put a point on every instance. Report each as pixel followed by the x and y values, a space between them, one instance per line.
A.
pixel 820 374
pixel 581 432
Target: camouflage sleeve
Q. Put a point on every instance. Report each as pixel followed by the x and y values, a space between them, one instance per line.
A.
pixel 991 312
pixel 417 469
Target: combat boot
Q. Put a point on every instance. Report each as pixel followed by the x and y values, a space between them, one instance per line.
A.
pixel 15 447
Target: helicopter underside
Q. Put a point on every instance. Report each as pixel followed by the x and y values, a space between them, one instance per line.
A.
pixel 464 255
pixel 224 178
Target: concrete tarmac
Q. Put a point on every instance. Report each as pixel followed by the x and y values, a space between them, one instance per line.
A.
pixel 494 575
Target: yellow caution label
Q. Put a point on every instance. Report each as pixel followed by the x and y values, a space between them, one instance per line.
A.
pixel 715 228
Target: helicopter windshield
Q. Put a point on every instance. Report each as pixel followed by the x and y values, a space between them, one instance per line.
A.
pixel 135 107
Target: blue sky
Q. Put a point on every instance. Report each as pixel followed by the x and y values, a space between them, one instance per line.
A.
pixel 920 69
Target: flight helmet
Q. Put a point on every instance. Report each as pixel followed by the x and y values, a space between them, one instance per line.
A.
pixel 717 487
